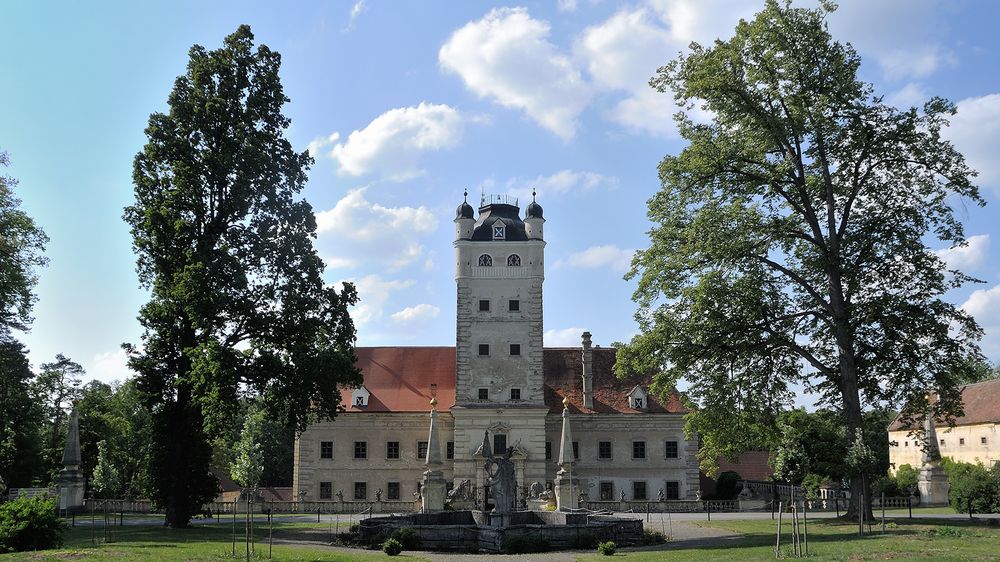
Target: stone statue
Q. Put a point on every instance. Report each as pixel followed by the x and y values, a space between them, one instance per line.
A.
pixel 503 487
pixel 697 495
pixel 622 495
pixel 462 492
pixel 660 496
pixel 340 495
pixel 746 493
pixel 535 490
pixel 378 495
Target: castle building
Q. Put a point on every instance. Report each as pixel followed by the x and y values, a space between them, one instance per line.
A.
pixel 498 378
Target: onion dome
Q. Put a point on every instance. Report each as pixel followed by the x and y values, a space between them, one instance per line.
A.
pixel 465 211
pixel 534 210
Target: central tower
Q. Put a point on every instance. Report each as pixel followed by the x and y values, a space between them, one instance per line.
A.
pixel 499 387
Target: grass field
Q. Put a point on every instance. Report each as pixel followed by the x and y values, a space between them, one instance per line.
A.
pixel 917 539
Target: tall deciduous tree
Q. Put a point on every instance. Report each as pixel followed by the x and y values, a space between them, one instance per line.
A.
pixel 237 302
pixel 22 244
pixel 57 387
pixel 789 236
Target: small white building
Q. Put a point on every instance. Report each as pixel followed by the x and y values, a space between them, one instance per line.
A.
pixel 498 378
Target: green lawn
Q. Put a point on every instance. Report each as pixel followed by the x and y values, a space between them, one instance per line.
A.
pixel 917 539
pixel 202 542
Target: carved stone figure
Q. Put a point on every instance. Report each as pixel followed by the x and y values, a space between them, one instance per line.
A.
pixel 340 495
pixel 622 495
pixel 461 492
pixel 660 496
pixel 536 490
pixel 503 487
pixel 378 495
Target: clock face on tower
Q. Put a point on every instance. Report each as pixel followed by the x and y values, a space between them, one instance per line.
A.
pixel 498 233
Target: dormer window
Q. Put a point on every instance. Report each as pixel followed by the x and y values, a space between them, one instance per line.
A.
pixel 514 260
pixel 499 231
pixel 359 397
pixel 486 260
pixel 637 398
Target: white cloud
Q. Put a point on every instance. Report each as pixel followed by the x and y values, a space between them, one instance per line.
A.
pixel 597 257
pixel 975 130
pixel 984 306
pixel 910 95
pixel 418 312
pixel 376 233
pixel 624 51
pixel 970 256
pixel 914 62
pixel 392 143
pixel 566 5
pixel 110 366
pixel 561 182
pixel 565 337
pixel 506 56
pixel 373 294
pixel 356 10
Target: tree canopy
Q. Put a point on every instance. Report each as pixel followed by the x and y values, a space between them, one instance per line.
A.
pixel 22 244
pixel 788 240
pixel 237 303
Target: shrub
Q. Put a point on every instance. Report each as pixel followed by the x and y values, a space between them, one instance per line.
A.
pixel 607 548
pixel 550 507
pixel 392 547
pixel 30 524
pixel 407 537
pixel 811 484
pixel 974 488
pixel 946 532
pixel 583 541
pixel 652 537
pixel 523 544
pixel 727 486
pixel 906 479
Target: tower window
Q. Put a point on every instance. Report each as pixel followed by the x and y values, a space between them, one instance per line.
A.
pixel 499 232
pixel 514 260
pixel 576 450
pixel 484 394
pixel 982 440
pixel 515 394
pixel 515 349
pixel 514 305
pixel 484 305
pixel 486 260
pixel 499 443
pixel 450 450
pixel 961 440
pixel 548 450
pixel 484 349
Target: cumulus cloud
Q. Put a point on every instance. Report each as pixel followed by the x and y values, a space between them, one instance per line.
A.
pixel 373 294
pixel 970 256
pixel 506 56
pixel 561 182
pixel 975 130
pixel 565 337
pixel 916 62
pixel 984 306
pixel 599 257
pixel 419 312
pixel 376 233
pixel 110 366
pixel 392 143
pixel 910 95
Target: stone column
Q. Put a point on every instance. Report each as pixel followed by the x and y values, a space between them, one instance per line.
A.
pixel 434 488
pixel 567 486
pixel 72 483
pixel 931 480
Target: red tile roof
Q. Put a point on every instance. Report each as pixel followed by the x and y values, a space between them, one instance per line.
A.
pixel 981 402
pixel 399 380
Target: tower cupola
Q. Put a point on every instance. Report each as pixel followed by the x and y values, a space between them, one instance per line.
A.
pixel 533 219
pixel 465 219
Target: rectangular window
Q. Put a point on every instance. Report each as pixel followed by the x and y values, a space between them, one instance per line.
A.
pixel 638 449
pixel 961 440
pixel 515 349
pixel 484 394
pixel 515 394
pixel 484 349
pixel 638 490
pixel 604 449
pixel 450 450
pixel 548 450
pixel 607 491
pixel 392 492
pixel 484 305
pixel 671 447
pixel 361 449
pixel 576 450
pixel 361 490
pixel 392 449
pixel 673 490
pixel 514 305
pixel 499 443
pixel 326 449
pixel 942 442
pixel 982 440
pixel 422 449
pixel 326 490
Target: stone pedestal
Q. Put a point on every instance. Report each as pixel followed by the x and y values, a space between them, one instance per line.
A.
pixel 567 491
pixel 933 485
pixel 72 485
pixel 433 491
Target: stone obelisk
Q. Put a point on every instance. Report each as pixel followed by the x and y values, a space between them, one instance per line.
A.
pixel 433 489
pixel 71 481
pixel 567 487
pixel 931 480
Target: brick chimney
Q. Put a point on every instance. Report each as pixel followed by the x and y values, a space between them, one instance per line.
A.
pixel 588 372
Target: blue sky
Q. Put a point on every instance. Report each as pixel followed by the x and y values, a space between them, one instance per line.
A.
pixel 406 104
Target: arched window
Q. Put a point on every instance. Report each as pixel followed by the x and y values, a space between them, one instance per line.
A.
pixel 514 260
pixel 486 260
